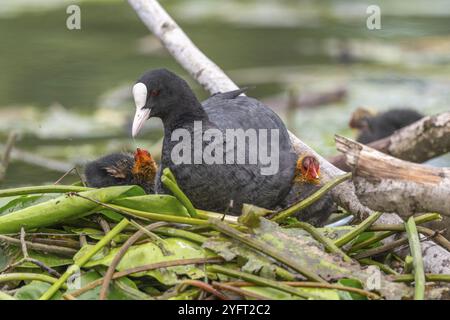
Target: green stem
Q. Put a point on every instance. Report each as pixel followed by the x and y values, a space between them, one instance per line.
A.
pixel 379 250
pixel 179 194
pixel 156 216
pixel 203 214
pixel 311 199
pixel 380 265
pixel 329 244
pixel 284 274
pixel 84 259
pixel 173 232
pixel 428 276
pixel 161 243
pixel 346 238
pixel 263 248
pixel 383 235
pixel 259 281
pixel 168 173
pixel 416 252
pixel 27 277
pixel 435 235
pixel 41 189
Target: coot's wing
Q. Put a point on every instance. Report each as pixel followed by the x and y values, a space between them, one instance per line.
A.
pixel 231 111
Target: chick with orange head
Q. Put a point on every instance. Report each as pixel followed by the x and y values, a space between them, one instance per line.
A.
pixel 123 169
pixel 306 182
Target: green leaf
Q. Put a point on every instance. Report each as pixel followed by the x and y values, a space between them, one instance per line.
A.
pixel 112 215
pixel 20 202
pixel 274 294
pixel 149 253
pixel 50 260
pixel 34 290
pixel 117 290
pixel 96 234
pixel 352 283
pixel 156 203
pixel 309 254
pixel 63 208
pixel 4 258
pixel 250 260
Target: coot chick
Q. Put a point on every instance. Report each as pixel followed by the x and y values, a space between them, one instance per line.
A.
pixel 373 127
pixel 123 169
pixel 215 181
pixel 363 119
pixel 306 182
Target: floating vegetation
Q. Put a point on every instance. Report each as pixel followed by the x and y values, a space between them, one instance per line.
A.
pixel 70 242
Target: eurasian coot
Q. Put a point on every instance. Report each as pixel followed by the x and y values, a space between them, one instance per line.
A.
pixel 122 169
pixel 214 164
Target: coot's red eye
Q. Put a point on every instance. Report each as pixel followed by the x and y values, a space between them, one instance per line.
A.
pixel 154 93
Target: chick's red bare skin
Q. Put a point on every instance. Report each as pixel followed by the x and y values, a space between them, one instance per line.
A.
pixel 305 183
pixel 308 170
pixel 144 168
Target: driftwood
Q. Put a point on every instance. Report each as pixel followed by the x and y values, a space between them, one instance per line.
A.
pixel 388 184
pixel 213 79
pixel 418 142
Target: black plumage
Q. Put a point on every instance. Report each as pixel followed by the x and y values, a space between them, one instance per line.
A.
pixel 374 127
pixel 122 169
pixel 213 186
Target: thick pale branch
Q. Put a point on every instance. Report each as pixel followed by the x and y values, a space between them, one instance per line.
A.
pixel 418 142
pixel 201 68
pixel 389 184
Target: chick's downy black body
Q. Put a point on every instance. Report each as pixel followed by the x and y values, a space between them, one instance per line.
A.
pixel 211 186
pixel 113 170
pixel 382 125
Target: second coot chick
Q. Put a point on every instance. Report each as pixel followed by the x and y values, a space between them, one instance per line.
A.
pixel 373 127
pixel 123 169
pixel 307 182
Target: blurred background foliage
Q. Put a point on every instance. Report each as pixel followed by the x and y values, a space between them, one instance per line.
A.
pixel 67 93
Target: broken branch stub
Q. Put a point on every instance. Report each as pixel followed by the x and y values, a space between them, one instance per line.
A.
pixel 389 184
pixel 418 142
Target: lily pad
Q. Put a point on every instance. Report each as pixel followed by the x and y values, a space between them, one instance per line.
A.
pixel 150 253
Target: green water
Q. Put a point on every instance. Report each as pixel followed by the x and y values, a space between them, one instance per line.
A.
pixel 43 63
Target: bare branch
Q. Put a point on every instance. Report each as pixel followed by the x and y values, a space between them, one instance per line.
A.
pixel 418 142
pixel 389 184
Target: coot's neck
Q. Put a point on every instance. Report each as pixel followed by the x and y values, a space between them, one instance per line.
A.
pixel 188 111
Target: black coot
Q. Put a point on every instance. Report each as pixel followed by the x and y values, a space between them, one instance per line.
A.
pixel 212 185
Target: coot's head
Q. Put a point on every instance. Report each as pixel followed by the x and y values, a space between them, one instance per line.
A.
pixel 308 168
pixel 160 93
